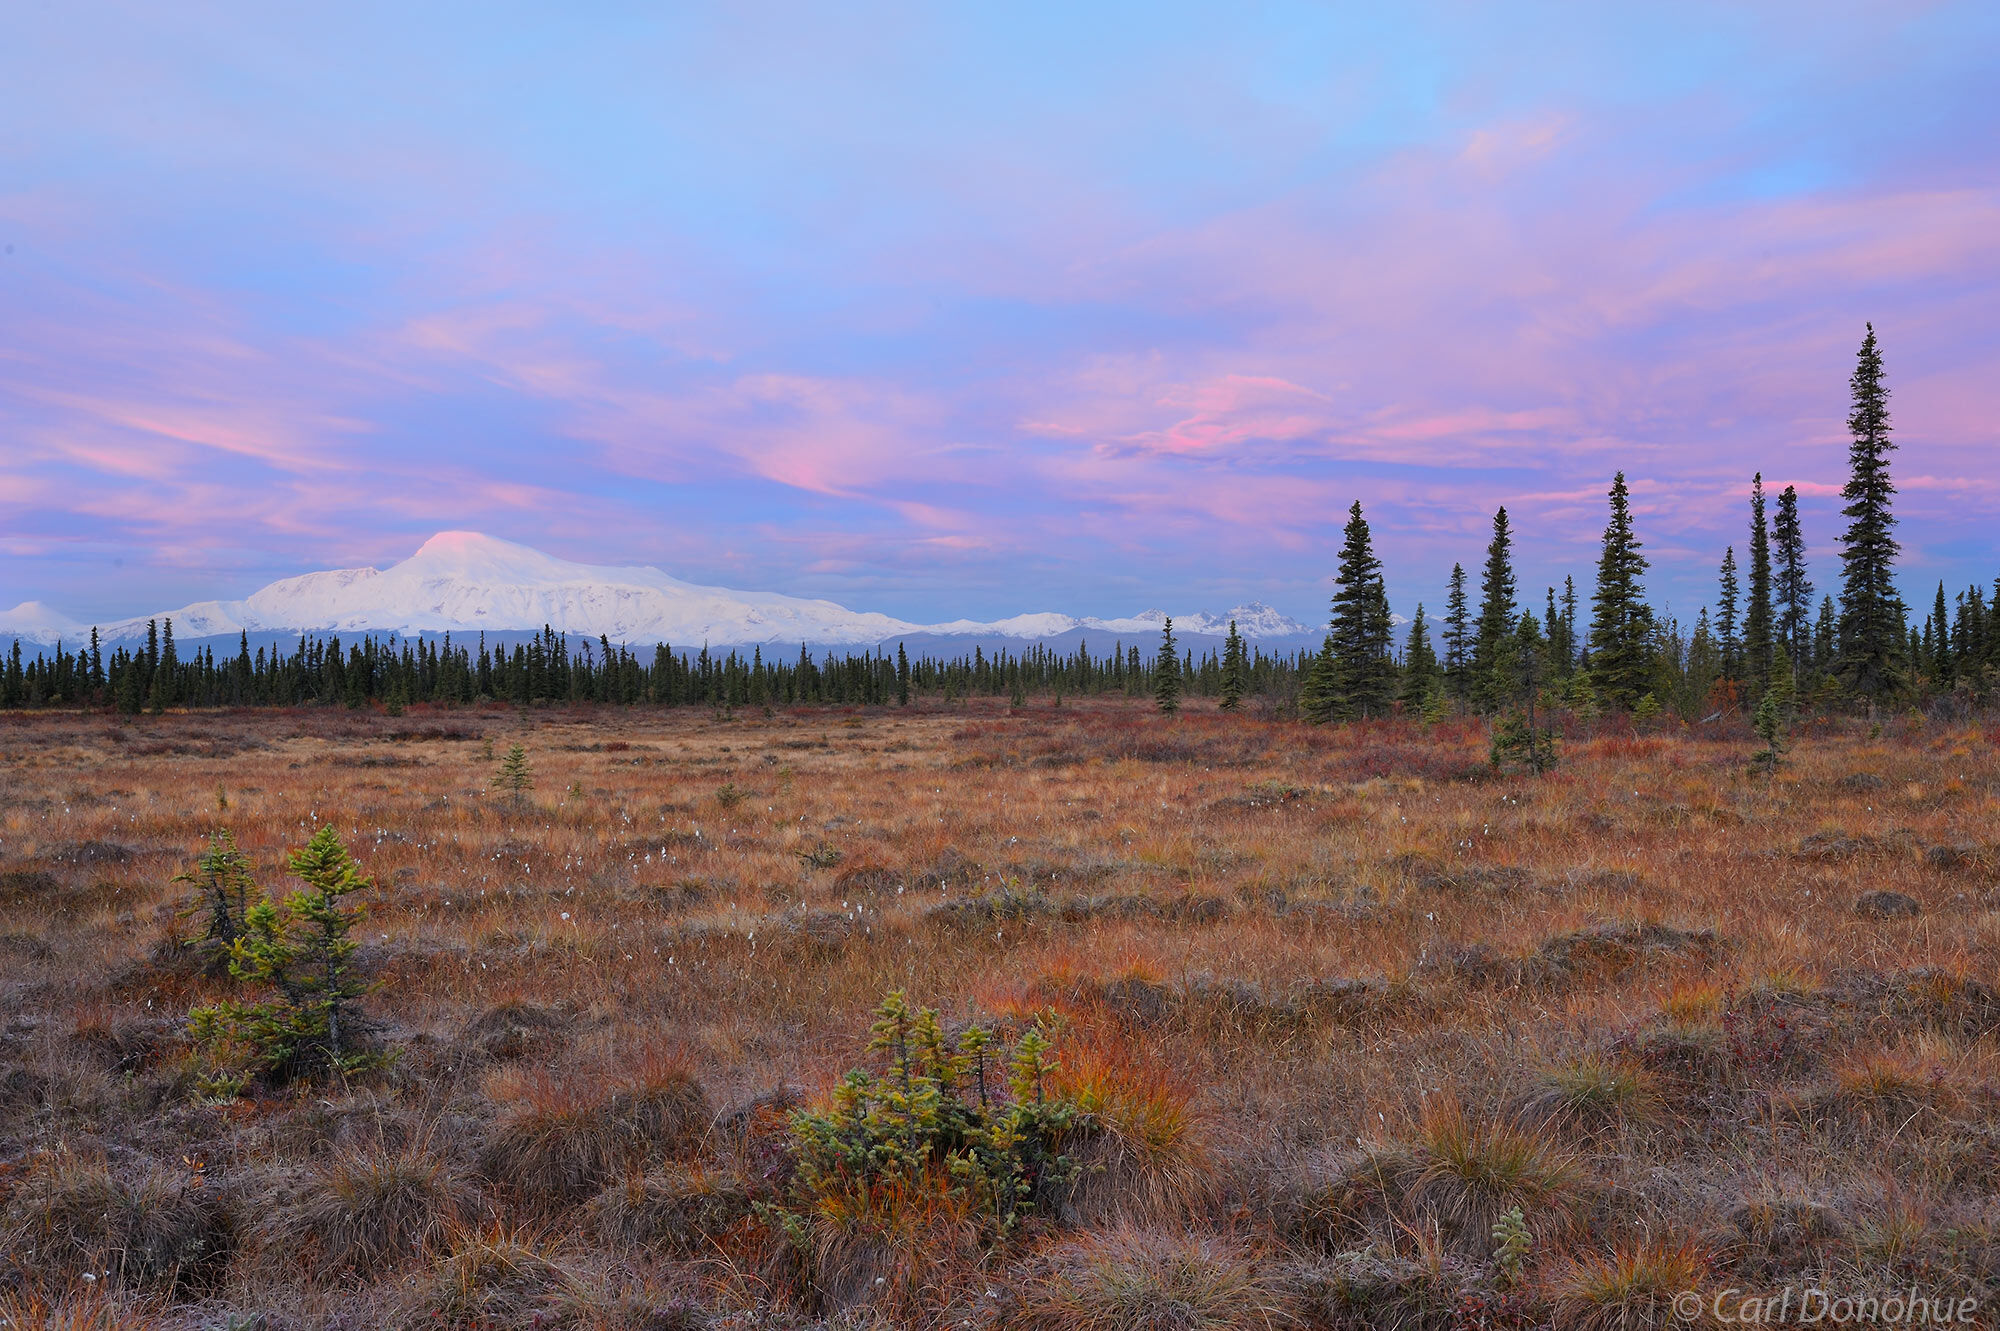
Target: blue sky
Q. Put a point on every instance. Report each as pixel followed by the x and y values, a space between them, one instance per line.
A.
pixel 945 311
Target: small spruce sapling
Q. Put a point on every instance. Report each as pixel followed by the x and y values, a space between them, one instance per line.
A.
pixel 1512 1241
pixel 221 899
pixel 933 1110
pixel 514 775
pixel 303 956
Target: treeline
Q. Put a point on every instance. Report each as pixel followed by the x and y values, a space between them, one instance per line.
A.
pixel 1768 649
pixel 1766 638
pixel 324 670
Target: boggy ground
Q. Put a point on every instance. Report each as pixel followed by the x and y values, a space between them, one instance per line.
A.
pixel 1334 1002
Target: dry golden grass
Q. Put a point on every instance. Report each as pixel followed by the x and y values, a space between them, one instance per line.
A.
pixel 1333 999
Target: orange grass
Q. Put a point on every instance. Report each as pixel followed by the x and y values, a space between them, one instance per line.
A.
pixel 1626 997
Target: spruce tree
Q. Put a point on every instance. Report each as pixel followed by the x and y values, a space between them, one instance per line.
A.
pixel 1757 614
pixel 1361 625
pixel 1420 665
pixel 1167 672
pixel 1939 660
pixel 1234 665
pixel 1319 695
pixel 1704 664
pixel 1457 636
pixel 1522 669
pixel 312 1023
pixel 1791 589
pixel 1727 616
pixel 1496 617
pixel 222 886
pixel 1871 614
pixel 902 676
pixel 514 775
pixel 1569 663
pixel 1556 632
pixel 131 681
pixel 1826 637
pixel 1621 623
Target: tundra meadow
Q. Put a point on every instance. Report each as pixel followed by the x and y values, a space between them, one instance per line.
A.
pixel 967 1014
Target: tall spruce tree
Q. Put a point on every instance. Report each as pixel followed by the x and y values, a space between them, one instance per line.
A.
pixel 1167 671
pixel 1757 616
pixel 1727 616
pixel 902 676
pixel 1790 586
pixel 1235 668
pixel 1496 617
pixel 1361 625
pixel 1569 663
pixel 1871 614
pixel 1621 624
pixel 1457 636
pixel 1552 629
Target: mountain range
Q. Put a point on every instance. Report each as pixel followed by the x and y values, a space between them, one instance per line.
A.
pixel 465 582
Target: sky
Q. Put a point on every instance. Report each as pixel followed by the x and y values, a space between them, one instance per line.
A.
pixel 953 310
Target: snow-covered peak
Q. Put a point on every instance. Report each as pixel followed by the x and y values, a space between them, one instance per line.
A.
pixel 31 621
pixel 466 582
pixel 471 554
pixel 1255 620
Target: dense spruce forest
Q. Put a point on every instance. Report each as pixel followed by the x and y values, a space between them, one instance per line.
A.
pixel 1766 639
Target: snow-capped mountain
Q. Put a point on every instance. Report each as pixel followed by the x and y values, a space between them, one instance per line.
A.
pixel 464 582
pixel 31 621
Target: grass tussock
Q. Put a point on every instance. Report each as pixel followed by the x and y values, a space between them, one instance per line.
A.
pixel 73 1216
pixel 897 1249
pixel 1626 1287
pixel 1146 1280
pixel 371 1209
pixel 561 1140
pixel 490 1279
pixel 1143 1151
pixel 1591 1094
pixel 1472 1169
pixel 679 1208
